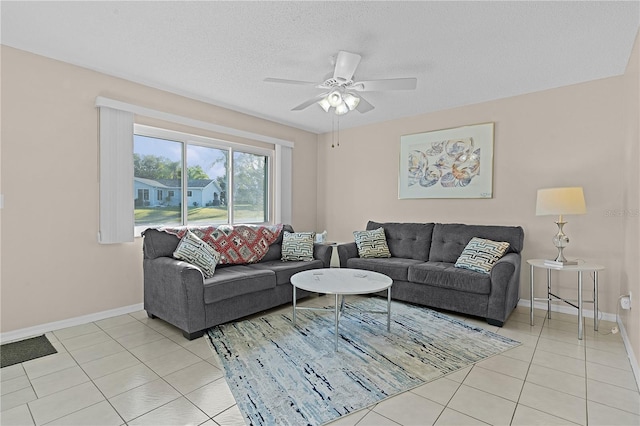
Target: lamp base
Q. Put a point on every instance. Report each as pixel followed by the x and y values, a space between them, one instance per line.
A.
pixel 560 264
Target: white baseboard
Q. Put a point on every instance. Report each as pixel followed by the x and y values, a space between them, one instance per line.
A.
pixel 565 309
pixel 632 357
pixel 71 322
pixel 589 313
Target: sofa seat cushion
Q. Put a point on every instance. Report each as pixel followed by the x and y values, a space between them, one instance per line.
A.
pixel 284 270
pixel 396 268
pixel 235 281
pixel 446 275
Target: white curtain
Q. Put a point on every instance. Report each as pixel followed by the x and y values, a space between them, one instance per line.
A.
pixel 116 176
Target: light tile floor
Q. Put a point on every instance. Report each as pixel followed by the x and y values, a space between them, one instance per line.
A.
pixel 134 370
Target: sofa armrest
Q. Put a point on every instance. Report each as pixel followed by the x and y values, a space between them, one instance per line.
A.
pixel 174 292
pixel 323 252
pixel 505 286
pixel 347 251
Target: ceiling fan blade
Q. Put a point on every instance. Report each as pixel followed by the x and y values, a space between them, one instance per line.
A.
pixel 364 106
pixel 381 85
pixel 309 102
pixel 285 81
pixel 346 64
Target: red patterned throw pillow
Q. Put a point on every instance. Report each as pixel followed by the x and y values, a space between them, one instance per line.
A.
pixel 237 244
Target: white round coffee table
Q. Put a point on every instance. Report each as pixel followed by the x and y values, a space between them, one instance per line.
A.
pixel 341 282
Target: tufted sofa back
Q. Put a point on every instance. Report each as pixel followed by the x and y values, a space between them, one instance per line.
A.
pixel 443 242
pixel 406 240
pixel 449 239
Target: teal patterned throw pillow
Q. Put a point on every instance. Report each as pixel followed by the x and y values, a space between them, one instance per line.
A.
pixel 298 245
pixel 480 255
pixel 372 244
pixel 195 251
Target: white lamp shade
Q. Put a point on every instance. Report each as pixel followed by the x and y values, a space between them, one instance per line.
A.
pixel 342 109
pixel 560 201
pixel 334 98
pixel 324 103
pixel 351 101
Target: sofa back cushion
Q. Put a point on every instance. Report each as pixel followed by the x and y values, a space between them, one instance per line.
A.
pixel 407 240
pixel 450 239
pixel 275 249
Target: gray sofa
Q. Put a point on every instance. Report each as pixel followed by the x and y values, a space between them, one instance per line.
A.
pixel 423 272
pixel 177 292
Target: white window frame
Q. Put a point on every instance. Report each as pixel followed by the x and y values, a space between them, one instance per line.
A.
pixel 191 139
pixel 116 220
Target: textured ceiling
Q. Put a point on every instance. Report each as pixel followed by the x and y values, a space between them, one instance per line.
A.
pixel 220 52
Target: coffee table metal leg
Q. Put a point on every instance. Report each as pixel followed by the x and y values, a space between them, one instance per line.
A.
pixel 337 318
pixel 389 309
pixel 294 305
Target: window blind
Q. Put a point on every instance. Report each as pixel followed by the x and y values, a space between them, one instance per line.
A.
pixel 116 176
pixel 283 190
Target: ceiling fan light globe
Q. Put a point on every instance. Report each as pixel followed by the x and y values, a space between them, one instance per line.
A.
pixel 342 109
pixel 351 101
pixel 324 103
pixel 334 98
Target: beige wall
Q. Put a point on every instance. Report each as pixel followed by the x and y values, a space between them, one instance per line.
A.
pixel 570 136
pixel 52 266
pixel 630 280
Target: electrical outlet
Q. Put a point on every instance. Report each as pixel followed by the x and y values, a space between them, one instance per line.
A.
pixel 625 302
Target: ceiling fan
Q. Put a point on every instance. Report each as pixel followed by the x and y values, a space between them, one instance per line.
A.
pixel 342 92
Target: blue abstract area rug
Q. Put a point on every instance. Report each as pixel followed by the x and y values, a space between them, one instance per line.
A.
pixel 285 375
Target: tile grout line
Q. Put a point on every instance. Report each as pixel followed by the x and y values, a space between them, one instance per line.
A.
pixel 524 380
pixel 163 379
pixel 92 381
pixel 143 363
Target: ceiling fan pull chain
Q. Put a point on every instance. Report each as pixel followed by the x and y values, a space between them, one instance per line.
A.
pixel 338 130
pixel 333 132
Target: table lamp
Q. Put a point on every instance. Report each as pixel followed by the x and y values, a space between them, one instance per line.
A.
pixel 560 201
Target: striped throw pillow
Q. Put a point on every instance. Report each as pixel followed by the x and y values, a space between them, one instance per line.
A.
pixel 298 246
pixel 195 251
pixel 372 244
pixel 480 255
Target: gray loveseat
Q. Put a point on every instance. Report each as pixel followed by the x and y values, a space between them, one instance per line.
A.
pixel 423 272
pixel 177 292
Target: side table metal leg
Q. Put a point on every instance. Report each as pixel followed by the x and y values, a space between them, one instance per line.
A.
pixel 580 320
pixel 531 268
pixel 596 319
pixel 549 293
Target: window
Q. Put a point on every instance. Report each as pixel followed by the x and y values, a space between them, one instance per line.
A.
pixel 225 182
pixel 250 186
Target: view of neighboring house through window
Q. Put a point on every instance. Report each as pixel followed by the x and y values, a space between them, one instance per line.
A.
pixel 163 197
pixel 207 185
pixel 157 165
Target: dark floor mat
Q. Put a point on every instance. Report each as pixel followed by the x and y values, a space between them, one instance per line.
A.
pixel 25 350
